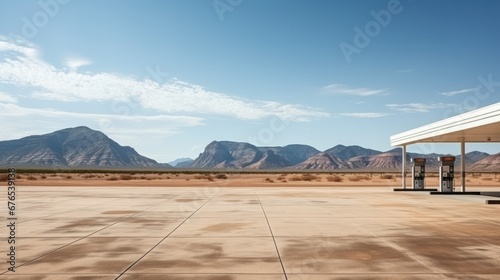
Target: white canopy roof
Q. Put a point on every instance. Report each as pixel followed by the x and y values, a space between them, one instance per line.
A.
pixel 481 125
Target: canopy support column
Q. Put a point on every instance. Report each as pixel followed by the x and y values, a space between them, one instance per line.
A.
pixel 462 163
pixel 403 164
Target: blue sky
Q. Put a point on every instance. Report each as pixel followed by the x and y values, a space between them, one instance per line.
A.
pixel 168 77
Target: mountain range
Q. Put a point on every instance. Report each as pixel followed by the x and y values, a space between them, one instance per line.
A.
pixel 84 147
pixel 71 147
pixel 240 155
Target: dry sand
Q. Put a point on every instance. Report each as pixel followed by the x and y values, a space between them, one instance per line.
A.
pixel 242 179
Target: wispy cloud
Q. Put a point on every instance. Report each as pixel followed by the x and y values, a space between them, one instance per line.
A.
pixel 5 97
pixel 417 107
pixel 14 110
pixel 364 115
pixel 345 90
pixel 73 63
pixel 20 66
pixel 452 93
pixel 126 128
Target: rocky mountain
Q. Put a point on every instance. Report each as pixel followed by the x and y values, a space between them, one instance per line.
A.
pixel 84 147
pixel 489 163
pixel 215 154
pixel 71 147
pixel 227 154
pixel 322 161
pixel 473 157
pixel 349 152
pixel 270 160
pixel 243 154
pixel 181 162
pixel 293 153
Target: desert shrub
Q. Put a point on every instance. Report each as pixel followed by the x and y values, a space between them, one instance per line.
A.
pixel 126 177
pixel 269 180
pixel 187 179
pixel 4 177
pixel 295 178
pixel 305 177
pixel 386 176
pixel 334 178
pixel 53 175
pixel 309 177
pixel 68 177
pixel 19 176
pixel 43 177
pixel 208 177
pixel 487 179
pixel 31 178
pixel 113 178
pixel 221 176
pixel 358 178
pixel 143 177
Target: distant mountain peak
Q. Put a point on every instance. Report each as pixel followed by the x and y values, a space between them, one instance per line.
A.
pixel 71 147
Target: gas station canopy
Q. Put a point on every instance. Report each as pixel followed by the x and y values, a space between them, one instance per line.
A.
pixel 481 125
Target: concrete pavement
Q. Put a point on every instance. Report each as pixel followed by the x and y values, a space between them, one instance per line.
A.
pixel 250 233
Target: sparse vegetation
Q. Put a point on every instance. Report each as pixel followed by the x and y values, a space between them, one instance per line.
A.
pixel 206 176
pixel 269 180
pixel 358 178
pixel 334 178
pixel 4 177
pixel 221 176
pixel 31 178
pixel 126 177
pixel 113 178
pixel 386 176
pixel 305 177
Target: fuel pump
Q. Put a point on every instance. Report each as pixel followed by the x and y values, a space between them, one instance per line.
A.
pixel 418 173
pixel 446 173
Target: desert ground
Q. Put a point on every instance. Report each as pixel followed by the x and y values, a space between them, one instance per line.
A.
pixel 236 179
pixel 240 226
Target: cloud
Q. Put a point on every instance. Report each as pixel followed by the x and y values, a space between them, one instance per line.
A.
pixel 75 63
pixel 5 97
pixel 344 90
pixel 21 121
pixel 21 67
pixel 452 93
pixel 364 115
pixel 417 107
pixel 13 110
